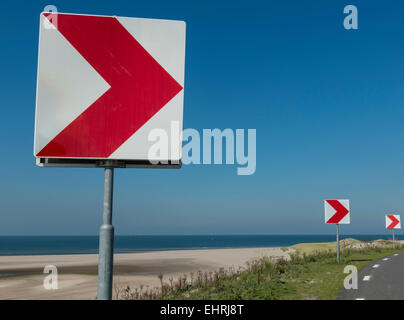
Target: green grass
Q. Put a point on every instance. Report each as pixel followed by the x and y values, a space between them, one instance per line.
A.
pixel 316 275
pixel 309 248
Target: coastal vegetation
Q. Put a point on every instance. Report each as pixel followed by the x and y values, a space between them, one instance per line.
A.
pixel 310 272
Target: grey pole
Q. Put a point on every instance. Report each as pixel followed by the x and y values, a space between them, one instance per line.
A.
pixel 338 259
pixel 394 242
pixel 106 250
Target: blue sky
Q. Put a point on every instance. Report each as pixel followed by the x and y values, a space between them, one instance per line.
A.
pixel 327 104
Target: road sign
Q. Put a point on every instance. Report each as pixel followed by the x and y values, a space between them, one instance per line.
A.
pixel 393 221
pixel 337 211
pixel 104 83
pixel 107 88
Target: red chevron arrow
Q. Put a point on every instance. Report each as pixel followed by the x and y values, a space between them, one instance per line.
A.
pixel 140 87
pixel 340 213
pixel 394 220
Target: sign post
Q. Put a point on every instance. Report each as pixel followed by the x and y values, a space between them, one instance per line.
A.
pixel 337 212
pixel 394 241
pixel 107 87
pixel 106 250
pixel 393 221
pixel 338 259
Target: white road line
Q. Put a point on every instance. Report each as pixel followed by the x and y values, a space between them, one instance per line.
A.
pixel 376 266
pixel 396 254
pixel 360 299
pixel 385 259
pixel 366 278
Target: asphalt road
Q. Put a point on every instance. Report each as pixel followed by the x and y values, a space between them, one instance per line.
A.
pixel 380 280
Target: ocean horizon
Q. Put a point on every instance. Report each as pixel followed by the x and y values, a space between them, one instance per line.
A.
pixel 50 245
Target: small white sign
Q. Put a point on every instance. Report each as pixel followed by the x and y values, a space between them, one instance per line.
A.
pixel 393 221
pixel 337 211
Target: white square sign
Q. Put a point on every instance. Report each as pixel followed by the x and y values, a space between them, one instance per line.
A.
pixel 337 211
pixel 104 84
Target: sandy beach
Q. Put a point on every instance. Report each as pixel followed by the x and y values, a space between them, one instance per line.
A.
pixel 77 274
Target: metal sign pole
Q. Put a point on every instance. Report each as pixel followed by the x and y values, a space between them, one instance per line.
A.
pixel 394 242
pixel 106 250
pixel 338 259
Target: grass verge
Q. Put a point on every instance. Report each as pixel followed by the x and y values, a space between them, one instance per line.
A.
pixel 316 275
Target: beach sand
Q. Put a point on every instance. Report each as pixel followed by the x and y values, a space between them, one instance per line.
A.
pixel 77 274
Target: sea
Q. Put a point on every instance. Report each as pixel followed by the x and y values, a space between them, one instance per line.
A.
pixel 47 245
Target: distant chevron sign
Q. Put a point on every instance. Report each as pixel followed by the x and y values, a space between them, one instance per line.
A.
pixel 393 221
pixel 337 211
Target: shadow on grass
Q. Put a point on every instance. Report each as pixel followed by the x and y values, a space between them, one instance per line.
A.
pixel 359 260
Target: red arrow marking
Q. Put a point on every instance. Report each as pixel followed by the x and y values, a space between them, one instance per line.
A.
pixel 340 213
pixel 394 220
pixel 140 87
